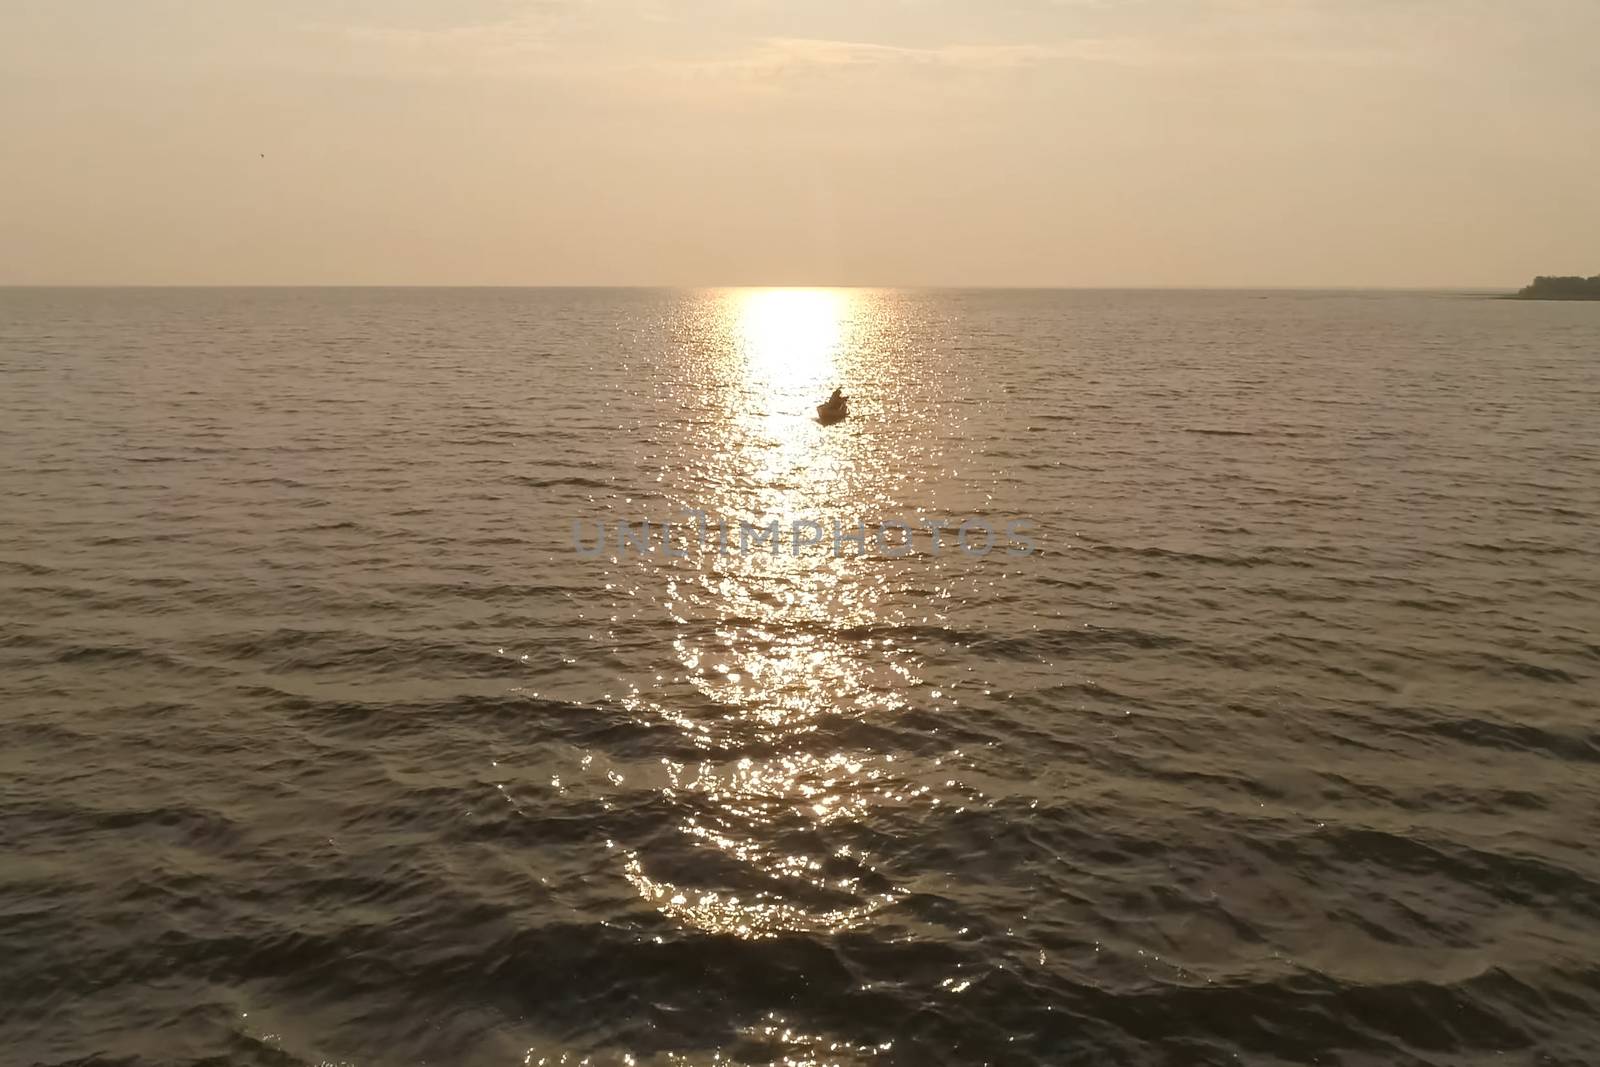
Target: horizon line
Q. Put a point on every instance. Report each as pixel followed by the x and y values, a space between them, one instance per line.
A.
pixel 1452 288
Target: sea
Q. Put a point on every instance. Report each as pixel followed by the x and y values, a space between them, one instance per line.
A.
pixel 526 677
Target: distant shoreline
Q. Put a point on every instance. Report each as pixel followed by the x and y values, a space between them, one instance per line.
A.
pixel 1560 288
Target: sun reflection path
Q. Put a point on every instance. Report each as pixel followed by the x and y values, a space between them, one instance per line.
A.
pixel 783 656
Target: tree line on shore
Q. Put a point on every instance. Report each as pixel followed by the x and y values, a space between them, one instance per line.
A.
pixel 1562 288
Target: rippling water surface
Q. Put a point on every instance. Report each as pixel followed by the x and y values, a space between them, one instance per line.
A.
pixel 320 742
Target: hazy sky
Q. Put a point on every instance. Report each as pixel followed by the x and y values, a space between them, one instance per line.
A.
pixel 986 142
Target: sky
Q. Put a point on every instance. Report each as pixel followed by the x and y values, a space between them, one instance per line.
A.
pixel 1395 143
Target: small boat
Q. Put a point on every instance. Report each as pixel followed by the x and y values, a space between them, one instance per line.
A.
pixel 830 412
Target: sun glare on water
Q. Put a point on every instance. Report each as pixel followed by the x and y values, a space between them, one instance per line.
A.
pixel 768 666
pixel 790 338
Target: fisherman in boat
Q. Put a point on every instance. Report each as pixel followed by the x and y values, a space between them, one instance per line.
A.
pixel 835 408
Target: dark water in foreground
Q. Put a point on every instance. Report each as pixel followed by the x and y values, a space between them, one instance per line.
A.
pixel 320 744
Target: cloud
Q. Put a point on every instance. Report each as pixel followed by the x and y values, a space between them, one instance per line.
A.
pixel 643 45
pixel 512 36
pixel 535 31
pixel 779 58
pixel 811 52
